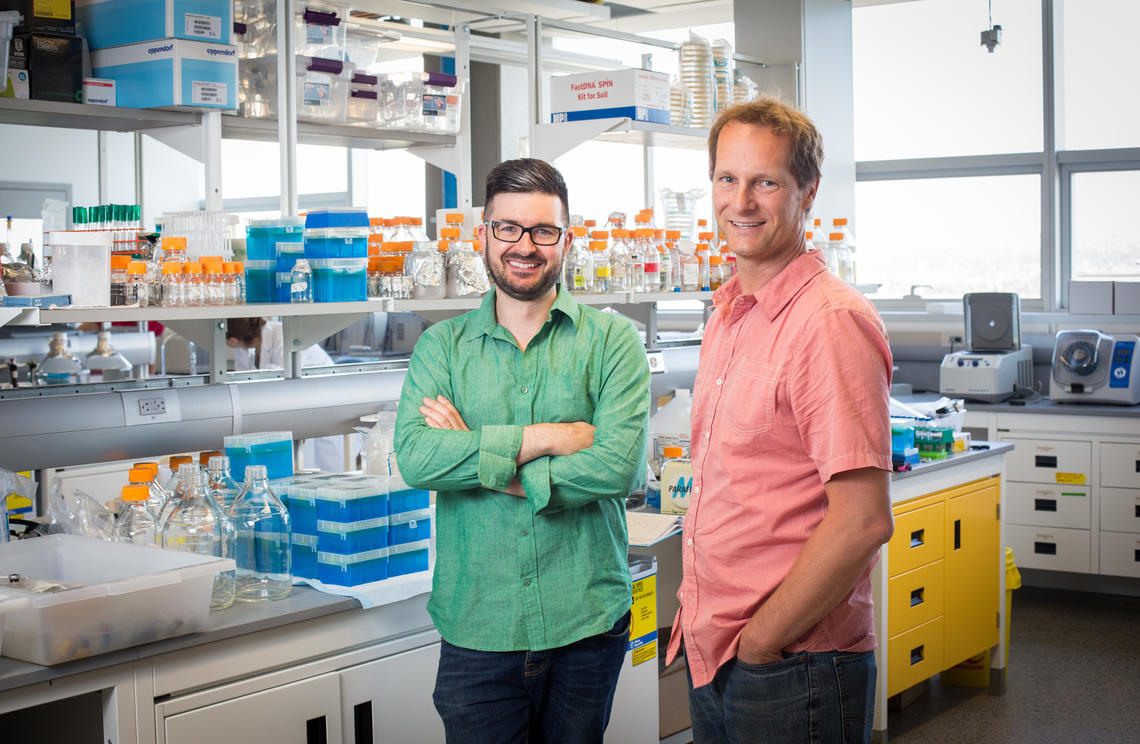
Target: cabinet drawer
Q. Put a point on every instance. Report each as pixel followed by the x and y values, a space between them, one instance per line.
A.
pixel 1120 464
pixel 1120 509
pixel 915 597
pixel 918 539
pixel 1053 548
pixel 1049 461
pixel 1047 505
pixel 914 656
pixel 1120 554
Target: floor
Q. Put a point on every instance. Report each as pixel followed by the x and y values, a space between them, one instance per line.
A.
pixel 1074 676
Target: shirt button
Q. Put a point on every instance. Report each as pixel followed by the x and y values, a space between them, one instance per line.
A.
pixel 719 381
pixel 525 390
pixel 708 435
pixel 696 489
pixel 525 533
pixel 526 582
pixel 690 541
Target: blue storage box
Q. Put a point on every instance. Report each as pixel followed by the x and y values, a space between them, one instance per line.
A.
pixel 340 279
pixel 352 570
pixel 304 556
pixel 170 72
pixel 336 233
pixel 405 499
pixel 283 286
pixel 352 499
pixel 261 281
pixel 902 437
pixel 267 239
pixel 112 23
pixel 273 449
pixel 408 558
pixel 409 526
pixel 302 503
pixel 288 252
pixel 352 537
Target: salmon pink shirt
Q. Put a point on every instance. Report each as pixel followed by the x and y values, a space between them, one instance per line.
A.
pixel 793 388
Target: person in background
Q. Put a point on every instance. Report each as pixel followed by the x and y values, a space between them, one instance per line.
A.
pixel 791 460
pixel 258 343
pixel 529 417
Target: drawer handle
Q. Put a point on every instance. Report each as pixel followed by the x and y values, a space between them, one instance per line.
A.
pixel 1045 461
pixel 916 538
pixel 1049 505
pixel 957 534
pixel 917 655
pixel 1138 466
pixel 1045 548
pixel 1138 511
pixel 1136 555
pixel 315 731
pixel 916 597
pixel 362 722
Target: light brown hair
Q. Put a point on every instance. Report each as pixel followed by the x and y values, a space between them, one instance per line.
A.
pixel 806 153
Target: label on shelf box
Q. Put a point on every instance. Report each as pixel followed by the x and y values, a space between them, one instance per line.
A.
pixel 642 95
pixel 317 94
pixel 208 94
pixel 204 26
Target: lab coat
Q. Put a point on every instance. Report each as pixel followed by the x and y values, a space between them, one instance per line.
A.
pixel 328 452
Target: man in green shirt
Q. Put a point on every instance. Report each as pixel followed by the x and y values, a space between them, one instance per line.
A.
pixel 528 417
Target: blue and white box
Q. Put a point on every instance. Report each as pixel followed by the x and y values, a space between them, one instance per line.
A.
pixel 642 95
pixel 170 72
pixel 112 23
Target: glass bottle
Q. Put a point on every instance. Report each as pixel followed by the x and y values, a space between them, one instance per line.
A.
pixel 672 243
pixel 424 266
pixel 600 261
pixel 119 280
pixel 239 282
pixel 198 525
pixel 172 481
pixel 676 481
pixel 466 272
pixel 690 271
pixel 193 284
pixel 172 284
pixel 621 261
pixel 213 287
pixel 576 273
pixel 716 271
pixel 665 260
pixel 703 267
pixel 220 485
pixel 847 255
pixel 135 524
pixel 263 540
pixel 158 494
pixel 301 282
pixel 644 259
pixel 188 474
pixel 138 291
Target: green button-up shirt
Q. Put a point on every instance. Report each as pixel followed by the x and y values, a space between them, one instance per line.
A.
pixel 515 574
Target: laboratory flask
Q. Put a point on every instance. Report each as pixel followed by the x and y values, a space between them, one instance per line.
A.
pixel 221 486
pixel 263 538
pixel 198 525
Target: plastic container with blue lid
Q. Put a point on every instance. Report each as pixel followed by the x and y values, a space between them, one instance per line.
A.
pixel 304 556
pixel 340 279
pixel 347 538
pixel 408 558
pixel 336 233
pixel 409 526
pixel 261 281
pixel 352 570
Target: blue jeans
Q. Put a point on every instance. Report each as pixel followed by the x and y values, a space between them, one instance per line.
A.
pixel 558 696
pixel 806 697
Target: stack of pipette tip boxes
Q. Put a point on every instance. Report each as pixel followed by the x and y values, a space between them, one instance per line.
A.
pixel 350 529
pixel 904 455
pixel 336 246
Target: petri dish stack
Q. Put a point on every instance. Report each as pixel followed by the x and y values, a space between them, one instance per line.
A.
pixel 696 65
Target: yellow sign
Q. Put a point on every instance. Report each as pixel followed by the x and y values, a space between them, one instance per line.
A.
pixel 58 9
pixel 1073 479
pixel 643 620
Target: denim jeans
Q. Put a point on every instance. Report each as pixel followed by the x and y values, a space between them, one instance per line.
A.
pixel 558 696
pixel 806 697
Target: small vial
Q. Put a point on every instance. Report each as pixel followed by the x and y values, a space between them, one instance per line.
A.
pixel 301 282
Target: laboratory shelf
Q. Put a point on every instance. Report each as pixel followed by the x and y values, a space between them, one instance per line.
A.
pixel 89 116
pixel 202 312
pixel 554 140
pixel 341 135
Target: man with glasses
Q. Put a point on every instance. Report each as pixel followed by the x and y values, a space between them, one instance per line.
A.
pixel 528 417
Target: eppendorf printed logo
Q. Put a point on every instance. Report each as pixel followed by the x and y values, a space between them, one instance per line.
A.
pixel 160 49
pixel 223 51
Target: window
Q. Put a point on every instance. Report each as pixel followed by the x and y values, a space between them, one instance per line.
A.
pixel 253 169
pixel 1105 242
pixel 953 235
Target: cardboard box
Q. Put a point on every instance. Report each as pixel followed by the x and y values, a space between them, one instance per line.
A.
pixel 1090 296
pixel 170 72
pixel 17 84
pixel 112 23
pixel 99 92
pixel 642 95
pixel 1126 296
pixel 54 64
pixel 52 16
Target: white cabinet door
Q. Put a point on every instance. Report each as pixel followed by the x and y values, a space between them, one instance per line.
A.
pixel 388 701
pixel 1120 509
pixel 1049 461
pixel 1053 548
pixel 304 712
pixel 1120 554
pixel 1120 464
pixel 1048 505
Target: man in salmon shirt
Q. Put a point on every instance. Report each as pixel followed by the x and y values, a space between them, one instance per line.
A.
pixel 791 459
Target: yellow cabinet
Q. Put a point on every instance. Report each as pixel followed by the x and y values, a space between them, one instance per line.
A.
pixel 973 558
pixel 943 564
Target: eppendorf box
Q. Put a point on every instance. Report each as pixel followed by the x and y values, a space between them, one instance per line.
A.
pixel 111 23
pixel 170 72
pixel 642 95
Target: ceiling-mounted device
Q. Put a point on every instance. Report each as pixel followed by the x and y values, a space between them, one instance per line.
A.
pixel 1094 367
pixel 991 36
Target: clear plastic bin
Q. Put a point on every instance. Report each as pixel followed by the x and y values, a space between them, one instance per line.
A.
pixel 322 88
pixel 340 279
pixel 260 283
pixel 129 595
pixel 9 603
pixel 420 101
pixel 273 449
pixel 363 106
pixel 318 28
pixel 81 262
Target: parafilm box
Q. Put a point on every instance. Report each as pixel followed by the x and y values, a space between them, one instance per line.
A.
pixel 170 72
pixel 642 95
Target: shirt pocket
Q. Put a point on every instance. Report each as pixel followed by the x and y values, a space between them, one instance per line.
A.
pixel 567 398
pixel 750 400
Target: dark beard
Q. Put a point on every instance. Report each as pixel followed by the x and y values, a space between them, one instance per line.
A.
pixel 549 279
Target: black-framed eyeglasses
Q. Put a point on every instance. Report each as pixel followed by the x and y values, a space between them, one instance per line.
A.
pixel 509 232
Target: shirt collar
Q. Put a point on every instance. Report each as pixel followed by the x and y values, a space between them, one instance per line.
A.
pixel 564 303
pixel 774 296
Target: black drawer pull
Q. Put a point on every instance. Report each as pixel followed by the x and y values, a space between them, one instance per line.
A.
pixel 1045 548
pixel 315 731
pixel 1138 466
pixel 1045 461
pixel 1138 511
pixel 1049 505
pixel 916 538
pixel 917 654
pixel 957 534
pixel 1136 555
pixel 916 597
pixel 362 722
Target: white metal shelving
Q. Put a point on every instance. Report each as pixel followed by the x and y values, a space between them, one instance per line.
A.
pixel 554 140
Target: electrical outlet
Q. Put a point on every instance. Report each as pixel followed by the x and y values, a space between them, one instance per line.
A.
pixel 151 406
pixel 950 338
pixel 656 362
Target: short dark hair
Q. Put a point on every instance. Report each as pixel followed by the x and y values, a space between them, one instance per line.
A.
pixel 526 176
pixel 806 153
pixel 244 329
